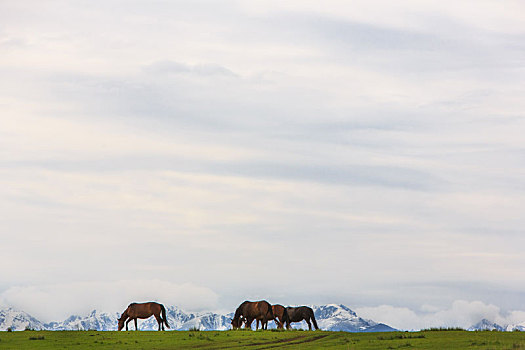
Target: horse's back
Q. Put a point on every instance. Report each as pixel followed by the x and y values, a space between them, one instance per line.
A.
pixel 296 314
pixel 264 307
pixel 299 313
pixel 277 309
pixel 255 308
pixel 143 310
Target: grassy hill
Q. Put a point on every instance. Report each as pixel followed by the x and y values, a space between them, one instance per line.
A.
pixel 453 339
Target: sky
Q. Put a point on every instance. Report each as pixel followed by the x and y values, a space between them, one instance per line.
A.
pixel 203 153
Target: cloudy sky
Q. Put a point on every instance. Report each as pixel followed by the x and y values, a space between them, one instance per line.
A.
pixel 201 153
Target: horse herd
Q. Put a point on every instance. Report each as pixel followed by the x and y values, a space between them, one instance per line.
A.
pixel 260 311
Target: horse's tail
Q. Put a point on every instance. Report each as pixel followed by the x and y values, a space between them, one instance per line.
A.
pixel 313 319
pixel 164 318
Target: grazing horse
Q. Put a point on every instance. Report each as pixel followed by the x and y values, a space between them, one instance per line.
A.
pixel 144 310
pixel 252 310
pixel 297 314
pixel 280 317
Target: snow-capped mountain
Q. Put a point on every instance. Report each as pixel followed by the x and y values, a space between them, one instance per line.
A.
pixel 18 320
pixel 329 317
pixel 94 321
pixel 515 327
pixel 486 325
pixel 181 321
pixel 334 317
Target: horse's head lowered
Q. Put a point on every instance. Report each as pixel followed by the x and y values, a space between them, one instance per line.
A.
pixel 236 322
pixel 121 321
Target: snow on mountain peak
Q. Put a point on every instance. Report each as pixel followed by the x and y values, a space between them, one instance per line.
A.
pixel 18 320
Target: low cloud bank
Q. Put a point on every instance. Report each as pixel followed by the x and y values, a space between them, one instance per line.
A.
pixel 55 302
pixel 461 313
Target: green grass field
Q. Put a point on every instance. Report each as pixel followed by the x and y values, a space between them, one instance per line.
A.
pixel 452 339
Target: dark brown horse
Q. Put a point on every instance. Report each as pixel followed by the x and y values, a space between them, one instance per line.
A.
pixel 297 314
pixel 280 317
pixel 253 310
pixel 144 310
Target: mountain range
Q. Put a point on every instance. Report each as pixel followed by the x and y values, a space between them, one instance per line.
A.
pixel 329 317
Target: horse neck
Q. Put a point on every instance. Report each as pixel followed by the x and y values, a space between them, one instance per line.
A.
pixel 131 310
pixel 237 313
pixel 124 315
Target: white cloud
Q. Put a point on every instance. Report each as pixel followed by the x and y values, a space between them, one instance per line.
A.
pixel 461 313
pixel 397 317
pixel 513 317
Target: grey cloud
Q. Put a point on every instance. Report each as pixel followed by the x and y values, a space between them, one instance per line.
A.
pixel 341 174
pixel 12 43
pixel 446 45
pixel 384 176
pixel 227 105
pixel 171 67
pixel 361 36
pixel 218 105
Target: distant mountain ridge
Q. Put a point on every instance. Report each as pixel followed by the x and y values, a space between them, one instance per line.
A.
pixel 18 320
pixel 329 317
pixel 486 325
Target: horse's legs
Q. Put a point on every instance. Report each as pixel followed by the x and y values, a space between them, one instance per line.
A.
pixel 128 321
pixel 159 321
pixel 279 323
pixel 136 328
pixel 309 324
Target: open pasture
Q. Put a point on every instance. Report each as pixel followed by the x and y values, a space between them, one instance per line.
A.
pixel 453 339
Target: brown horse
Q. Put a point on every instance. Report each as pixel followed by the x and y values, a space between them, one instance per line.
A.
pixel 253 310
pixel 297 314
pixel 144 310
pixel 280 317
